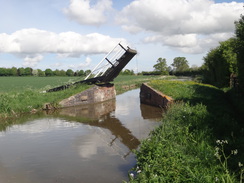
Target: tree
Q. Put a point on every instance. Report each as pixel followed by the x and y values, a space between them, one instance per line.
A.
pixel 28 71
pixel 87 72
pixel 161 66
pixel 62 73
pixel 40 72
pixel 180 64
pixel 220 63
pixel 80 73
pixel 229 54
pixel 34 72
pixel 69 72
pixel 239 25
pixel 13 71
pixel 3 72
pixel 21 71
pixel 127 72
pixel 56 72
pixel 48 72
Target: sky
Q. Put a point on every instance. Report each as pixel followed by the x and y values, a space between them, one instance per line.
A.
pixel 77 34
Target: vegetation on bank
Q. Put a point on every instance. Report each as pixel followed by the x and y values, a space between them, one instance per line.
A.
pixel 15 103
pixel 125 83
pixel 20 95
pixel 25 94
pixel 200 138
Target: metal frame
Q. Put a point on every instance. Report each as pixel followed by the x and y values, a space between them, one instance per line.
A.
pixel 107 62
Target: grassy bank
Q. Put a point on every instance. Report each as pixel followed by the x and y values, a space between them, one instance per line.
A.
pixel 15 103
pixel 20 95
pixel 125 83
pixel 23 94
pixel 200 139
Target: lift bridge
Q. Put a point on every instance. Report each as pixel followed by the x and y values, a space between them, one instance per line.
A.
pixel 107 69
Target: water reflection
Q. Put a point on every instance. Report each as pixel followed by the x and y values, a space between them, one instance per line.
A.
pixel 102 116
pixel 151 112
pixel 90 143
pixel 92 111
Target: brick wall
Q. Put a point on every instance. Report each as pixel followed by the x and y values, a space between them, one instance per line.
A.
pixel 150 96
pixel 95 94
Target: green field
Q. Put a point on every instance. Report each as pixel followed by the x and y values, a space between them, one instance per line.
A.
pixel 18 84
pixel 13 84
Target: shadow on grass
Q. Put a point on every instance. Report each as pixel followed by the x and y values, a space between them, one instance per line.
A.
pixel 224 117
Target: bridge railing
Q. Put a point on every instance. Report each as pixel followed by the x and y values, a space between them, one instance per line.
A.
pixel 107 62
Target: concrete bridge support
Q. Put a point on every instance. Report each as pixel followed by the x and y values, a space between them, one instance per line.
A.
pixel 96 94
pixel 150 96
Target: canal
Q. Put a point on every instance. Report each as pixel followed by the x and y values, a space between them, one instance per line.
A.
pixel 87 144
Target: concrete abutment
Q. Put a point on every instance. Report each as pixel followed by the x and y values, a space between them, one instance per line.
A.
pixel 96 94
pixel 106 92
pixel 150 96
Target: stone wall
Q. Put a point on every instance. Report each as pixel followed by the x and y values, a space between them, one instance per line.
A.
pixel 150 96
pixel 89 111
pixel 98 93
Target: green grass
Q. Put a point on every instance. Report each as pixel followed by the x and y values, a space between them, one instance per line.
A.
pixel 130 78
pixel 13 103
pixel 184 148
pixel 18 84
pixel 124 83
pixel 23 94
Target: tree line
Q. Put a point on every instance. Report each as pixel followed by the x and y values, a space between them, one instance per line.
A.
pixel 180 66
pixel 38 72
pixel 49 72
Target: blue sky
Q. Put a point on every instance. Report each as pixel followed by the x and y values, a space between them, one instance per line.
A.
pixel 76 34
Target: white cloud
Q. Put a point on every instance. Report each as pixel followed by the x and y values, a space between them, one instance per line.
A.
pixel 32 60
pixel 31 44
pixel 33 41
pixel 44 125
pixel 188 25
pixel 83 12
pixel 178 40
pixel 57 64
pixel 190 43
pixel 86 64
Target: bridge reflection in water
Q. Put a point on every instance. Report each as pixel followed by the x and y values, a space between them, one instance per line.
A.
pixel 102 115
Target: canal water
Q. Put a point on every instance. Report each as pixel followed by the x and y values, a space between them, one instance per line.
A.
pixel 91 143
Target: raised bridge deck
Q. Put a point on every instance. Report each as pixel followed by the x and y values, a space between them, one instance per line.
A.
pixel 108 68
